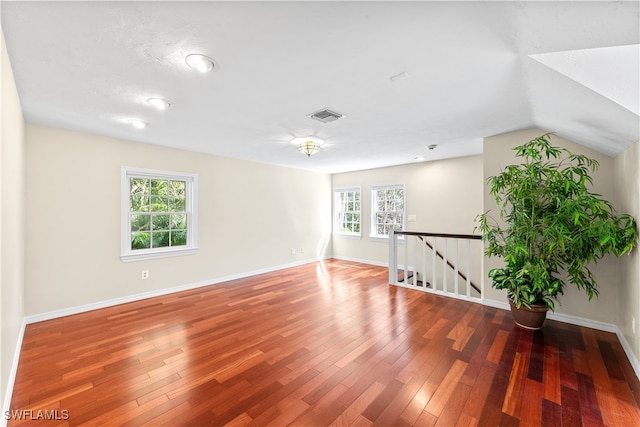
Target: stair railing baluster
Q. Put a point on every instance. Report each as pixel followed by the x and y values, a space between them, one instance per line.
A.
pixel 449 262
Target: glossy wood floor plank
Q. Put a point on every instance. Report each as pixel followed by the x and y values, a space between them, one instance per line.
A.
pixel 321 344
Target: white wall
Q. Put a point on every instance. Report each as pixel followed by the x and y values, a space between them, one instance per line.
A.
pixel 627 179
pixel 498 153
pixel 250 217
pixel 444 195
pixel 12 180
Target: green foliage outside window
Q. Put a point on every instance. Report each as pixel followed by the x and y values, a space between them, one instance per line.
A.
pixel 157 213
pixel 349 211
pixel 389 210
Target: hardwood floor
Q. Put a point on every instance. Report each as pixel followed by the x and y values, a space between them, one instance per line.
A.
pixel 322 344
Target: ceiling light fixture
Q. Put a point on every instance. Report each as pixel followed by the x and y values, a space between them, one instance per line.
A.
pixel 138 124
pixel 159 103
pixel 432 146
pixel 419 159
pixel 309 147
pixel 308 144
pixel 199 62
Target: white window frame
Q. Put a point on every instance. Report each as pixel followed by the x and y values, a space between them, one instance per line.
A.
pixel 373 230
pixel 337 211
pixel 191 191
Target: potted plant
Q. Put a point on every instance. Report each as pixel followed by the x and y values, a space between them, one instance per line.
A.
pixel 552 227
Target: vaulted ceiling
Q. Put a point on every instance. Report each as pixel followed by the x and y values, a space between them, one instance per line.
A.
pixel 406 75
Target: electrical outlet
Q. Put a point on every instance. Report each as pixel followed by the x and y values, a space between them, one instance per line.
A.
pixel 293 251
pixel 301 250
pixel 145 274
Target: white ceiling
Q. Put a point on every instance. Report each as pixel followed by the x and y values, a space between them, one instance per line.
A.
pixel 475 69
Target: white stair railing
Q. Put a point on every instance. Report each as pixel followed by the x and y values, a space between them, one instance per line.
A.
pixel 450 264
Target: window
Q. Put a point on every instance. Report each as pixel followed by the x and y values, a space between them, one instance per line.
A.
pixel 387 210
pixel 347 211
pixel 158 214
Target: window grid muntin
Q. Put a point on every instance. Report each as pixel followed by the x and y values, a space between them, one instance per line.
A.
pixel 155 212
pixel 185 208
pixel 348 211
pixel 387 209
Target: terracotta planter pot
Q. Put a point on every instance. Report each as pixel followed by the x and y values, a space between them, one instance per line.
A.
pixel 529 318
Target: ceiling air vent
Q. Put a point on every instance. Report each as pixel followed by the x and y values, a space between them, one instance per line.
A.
pixel 326 116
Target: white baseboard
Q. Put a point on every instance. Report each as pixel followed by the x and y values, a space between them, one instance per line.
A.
pixel 6 403
pixel 581 321
pixel 495 304
pixel 560 317
pixel 137 297
pixel 367 261
pixel 361 261
pixel 635 364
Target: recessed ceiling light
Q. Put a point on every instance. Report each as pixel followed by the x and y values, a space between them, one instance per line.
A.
pixel 159 103
pixel 199 62
pixel 432 146
pixel 419 159
pixel 138 124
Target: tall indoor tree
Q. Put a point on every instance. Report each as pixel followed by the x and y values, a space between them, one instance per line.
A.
pixel 551 226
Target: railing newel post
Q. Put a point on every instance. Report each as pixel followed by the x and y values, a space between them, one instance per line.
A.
pixel 393 259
